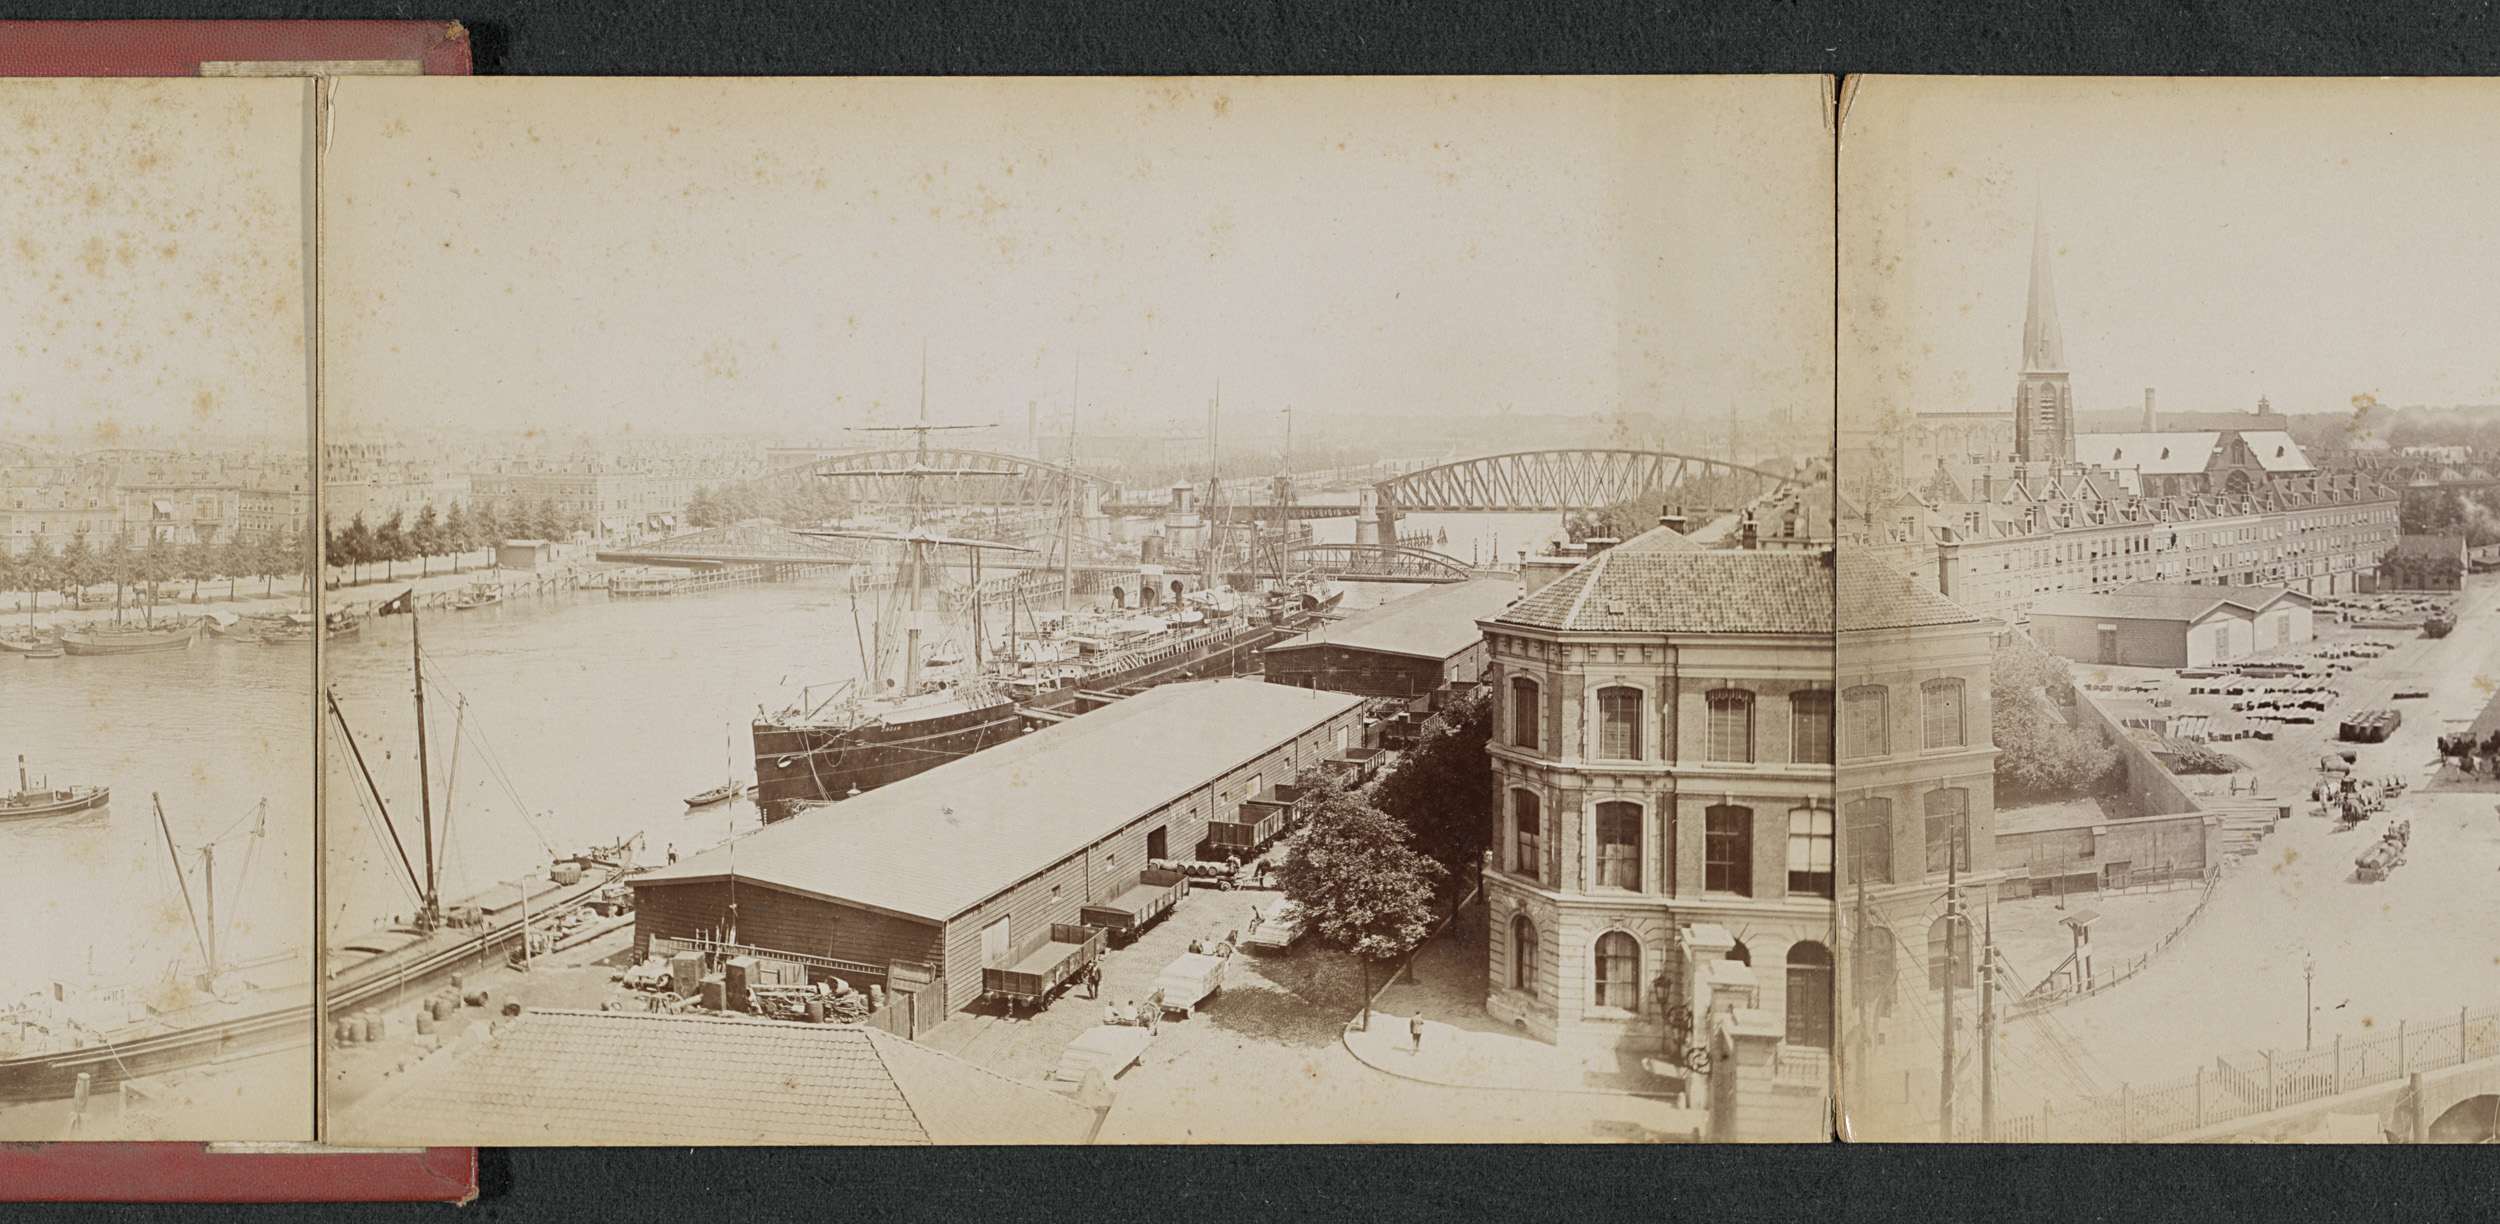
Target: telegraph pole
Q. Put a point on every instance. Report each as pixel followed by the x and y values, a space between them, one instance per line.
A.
pixel 1988 1032
pixel 1952 973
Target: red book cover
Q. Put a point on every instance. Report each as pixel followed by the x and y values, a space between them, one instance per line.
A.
pixel 200 1172
pixel 208 48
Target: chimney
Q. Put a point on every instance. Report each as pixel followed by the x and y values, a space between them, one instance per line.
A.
pixel 1745 535
pixel 1599 544
pixel 2152 424
pixel 1948 567
pixel 1673 520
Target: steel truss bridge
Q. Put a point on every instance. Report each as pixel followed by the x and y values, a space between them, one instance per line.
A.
pixel 947 476
pixel 1560 481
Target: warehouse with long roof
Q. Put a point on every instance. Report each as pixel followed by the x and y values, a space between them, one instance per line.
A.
pixel 934 877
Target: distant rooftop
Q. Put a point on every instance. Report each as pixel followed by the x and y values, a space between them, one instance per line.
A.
pixel 1435 624
pixel 2161 601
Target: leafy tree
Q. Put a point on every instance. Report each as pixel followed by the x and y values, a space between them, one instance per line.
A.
pixel 277 557
pixel 459 534
pixel 390 546
pixel 12 570
pixel 353 547
pixel 37 571
pixel 159 560
pixel 546 522
pixel 2040 754
pixel 703 510
pixel 1361 887
pixel 2404 571
pixel 76 567
pixel 1443 790
pixel 491 529
pixel 239 559
pixel 426 538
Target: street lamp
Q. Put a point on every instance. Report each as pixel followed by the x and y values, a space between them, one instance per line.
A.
pixel 2309 1000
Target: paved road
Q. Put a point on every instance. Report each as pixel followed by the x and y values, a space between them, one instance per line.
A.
pixel 2415 947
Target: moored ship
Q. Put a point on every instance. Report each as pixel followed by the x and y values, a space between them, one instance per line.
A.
pixel 31 801
pixel 111 640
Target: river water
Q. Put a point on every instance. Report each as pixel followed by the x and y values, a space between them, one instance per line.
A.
pixel 590 719
pixel 93 897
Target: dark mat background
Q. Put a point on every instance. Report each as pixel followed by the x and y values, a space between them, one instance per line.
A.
pixel 1497 1186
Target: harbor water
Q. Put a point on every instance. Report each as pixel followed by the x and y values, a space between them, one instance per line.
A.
pixel 91 898
pixel 589 719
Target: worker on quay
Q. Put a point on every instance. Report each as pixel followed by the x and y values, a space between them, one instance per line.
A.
pixel 672 852
pixel 1111 1014
pixel 1152 1017
pixel 1093 980
pixel 1254 918
pixel 1415 1034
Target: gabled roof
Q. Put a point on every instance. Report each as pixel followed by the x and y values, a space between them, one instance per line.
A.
pixel 2154 454
pixel 1873 595
pixel 938 843
pixel 1628 590
pixel 2178 601
pixel 1434 624
pixel 633 1078
pixel 2276 451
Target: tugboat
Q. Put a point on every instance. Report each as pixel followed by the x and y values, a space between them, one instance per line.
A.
pixel 31 801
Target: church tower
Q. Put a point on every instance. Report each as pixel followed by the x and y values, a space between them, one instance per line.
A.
pixel 2044 407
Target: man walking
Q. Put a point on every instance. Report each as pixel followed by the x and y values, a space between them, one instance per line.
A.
pixel 1093 980
pixel 1415 1034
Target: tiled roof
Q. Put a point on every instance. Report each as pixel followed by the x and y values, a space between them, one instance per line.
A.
pixel 631 1078
pixel 2276 451
pixel 2156 454
pixel 1874 595
pixel 1657 590
pixel 1435 624
pixel 936 844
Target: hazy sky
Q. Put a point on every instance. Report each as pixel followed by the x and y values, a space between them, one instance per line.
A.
pixel 2215 240
pixel 151 277
pixel 612 254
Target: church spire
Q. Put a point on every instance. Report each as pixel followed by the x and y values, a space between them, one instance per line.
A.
pixel 2044 346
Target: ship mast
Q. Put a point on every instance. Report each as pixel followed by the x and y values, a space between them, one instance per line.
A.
pixel 1215 488
pixel 917 541
pixel 430 910
pixel 1067 517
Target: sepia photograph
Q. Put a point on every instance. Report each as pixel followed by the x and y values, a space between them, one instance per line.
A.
pixel 2169 742
pixel 1056 612
pixel 157 870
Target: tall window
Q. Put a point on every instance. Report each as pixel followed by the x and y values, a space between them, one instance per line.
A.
pixel 1869 726
pixel 1941 700
pixel 1810 852
pixel 1527 855
pixel 1619 846
pixel 1810 995
pixel 1948 830
pixel 1948 953
pixel 1873 969
pixel 1731 725
pixel 1523 954
pixel 1870 841
pixel 1810 727
pixel 1523 712
pixel 1619 723
pixel 1727 849
pixel 1618 972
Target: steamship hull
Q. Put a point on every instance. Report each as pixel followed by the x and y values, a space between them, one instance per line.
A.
pixel 797 762
pixel 1199 658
